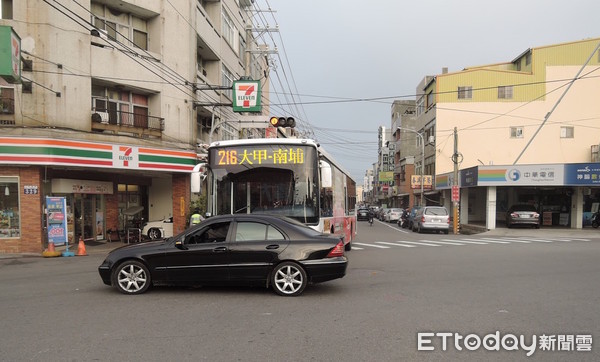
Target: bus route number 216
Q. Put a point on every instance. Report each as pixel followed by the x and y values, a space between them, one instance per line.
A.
pixel 228 157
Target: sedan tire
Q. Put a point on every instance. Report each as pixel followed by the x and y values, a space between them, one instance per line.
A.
pixel 289 279
pixel 131 277
pixel 154 234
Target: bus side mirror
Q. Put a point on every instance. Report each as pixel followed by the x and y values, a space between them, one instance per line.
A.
pixel 197 177
pixel 326 180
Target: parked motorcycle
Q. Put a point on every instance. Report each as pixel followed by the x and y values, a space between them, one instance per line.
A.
pixel 596 219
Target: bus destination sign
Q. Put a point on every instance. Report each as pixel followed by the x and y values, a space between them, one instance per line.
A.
pixel 240 156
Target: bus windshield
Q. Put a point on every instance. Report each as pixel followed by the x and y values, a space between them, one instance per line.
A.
pixel 265 178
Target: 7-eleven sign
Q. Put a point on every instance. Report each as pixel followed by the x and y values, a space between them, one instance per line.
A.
pixel 246 96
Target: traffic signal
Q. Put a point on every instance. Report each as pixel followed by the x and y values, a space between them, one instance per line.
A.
pixel 283 122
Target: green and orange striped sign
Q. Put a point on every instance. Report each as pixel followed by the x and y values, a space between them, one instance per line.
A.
pixel 46 151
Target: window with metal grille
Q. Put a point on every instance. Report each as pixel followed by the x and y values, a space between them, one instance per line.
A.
pixel 465 92
pixel 505 92
pixel 567 132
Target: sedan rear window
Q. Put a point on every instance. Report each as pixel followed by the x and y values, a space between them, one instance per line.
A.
pixel 439 211
pixel 523 208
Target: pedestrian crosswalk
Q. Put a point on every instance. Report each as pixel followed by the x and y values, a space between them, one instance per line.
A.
pixel 459 242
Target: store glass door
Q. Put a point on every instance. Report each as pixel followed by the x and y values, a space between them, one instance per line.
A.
pixel 89 217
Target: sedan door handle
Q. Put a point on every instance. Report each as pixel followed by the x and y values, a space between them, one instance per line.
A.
pixel 272 247
pixel 220 249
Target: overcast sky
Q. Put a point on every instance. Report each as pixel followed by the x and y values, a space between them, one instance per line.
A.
pixel 333 50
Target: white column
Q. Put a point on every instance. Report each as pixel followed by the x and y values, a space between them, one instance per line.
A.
pixel 490 217
pixel 464 205
pixel 577 208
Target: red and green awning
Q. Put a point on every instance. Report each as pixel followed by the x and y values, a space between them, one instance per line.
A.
pixel 45 151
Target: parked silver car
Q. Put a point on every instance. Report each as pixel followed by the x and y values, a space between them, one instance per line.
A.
pixel 435 218
pixel 522 214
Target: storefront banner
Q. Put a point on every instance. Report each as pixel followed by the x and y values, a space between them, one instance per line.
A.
pixel 582 174
pixel 72 186
pixel 444 181
pixel 47 151
pixel 56 220
pixel 468 177
pixel 530 175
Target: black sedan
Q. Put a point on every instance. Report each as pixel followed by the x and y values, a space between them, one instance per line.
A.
pixel 362 214
pixel 236 249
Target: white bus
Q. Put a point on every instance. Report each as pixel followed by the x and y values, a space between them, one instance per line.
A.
pixel 284 176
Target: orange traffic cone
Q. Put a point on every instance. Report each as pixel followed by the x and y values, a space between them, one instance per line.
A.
pixel 50 252
pixel 81 247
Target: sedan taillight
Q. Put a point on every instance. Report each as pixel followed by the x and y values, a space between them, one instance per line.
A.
pixel 338 250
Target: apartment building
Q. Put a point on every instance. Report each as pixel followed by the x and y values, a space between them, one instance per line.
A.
pixel 407 149
pixel 526 133
pixel 114 99
pixel 385 167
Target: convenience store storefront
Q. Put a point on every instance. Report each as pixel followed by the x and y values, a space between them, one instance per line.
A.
pixel 565 195
pixel 98 180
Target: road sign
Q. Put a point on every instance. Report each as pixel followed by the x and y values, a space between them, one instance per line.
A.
pixel 455 193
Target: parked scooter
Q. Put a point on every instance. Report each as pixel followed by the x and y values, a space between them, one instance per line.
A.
pixel 596 219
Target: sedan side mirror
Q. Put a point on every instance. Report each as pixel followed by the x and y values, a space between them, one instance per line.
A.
pixel 180 244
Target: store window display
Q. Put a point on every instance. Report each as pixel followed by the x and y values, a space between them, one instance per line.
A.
pixel 9 208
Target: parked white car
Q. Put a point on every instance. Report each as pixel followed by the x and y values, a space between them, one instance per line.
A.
pixel 158 229
pixel 392 215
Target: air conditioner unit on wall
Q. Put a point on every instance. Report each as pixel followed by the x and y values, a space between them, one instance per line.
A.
pixel 100 117
pixel 100 32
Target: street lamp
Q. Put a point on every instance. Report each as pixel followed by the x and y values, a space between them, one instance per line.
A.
pixel 422 157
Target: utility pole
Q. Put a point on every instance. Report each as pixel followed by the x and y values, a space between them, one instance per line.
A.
pixel 455 203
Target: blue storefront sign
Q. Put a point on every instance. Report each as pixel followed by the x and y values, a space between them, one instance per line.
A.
pixel 56 218
pixel 582 174
pixel 468 177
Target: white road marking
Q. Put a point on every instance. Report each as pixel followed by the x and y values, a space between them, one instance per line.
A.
pixel 443 242
pixel 467 241
pixel 523 240
pixel 416 243
pixel 494 241
pixel 372 245
pixel 395 244
pixel 517 240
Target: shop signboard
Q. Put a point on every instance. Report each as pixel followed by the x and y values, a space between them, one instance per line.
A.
pixel 521 175
pixel 582 174
pixel 468 177
pixel 56 220
pixel 246 96
pixel 10 54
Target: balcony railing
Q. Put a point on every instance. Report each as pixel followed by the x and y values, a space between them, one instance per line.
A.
pixel 114 120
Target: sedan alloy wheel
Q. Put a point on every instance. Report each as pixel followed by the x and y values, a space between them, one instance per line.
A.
pixel 289 279
pixel 131 277
pixel 154 234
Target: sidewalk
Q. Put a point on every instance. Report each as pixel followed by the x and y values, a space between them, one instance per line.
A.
pixel 101 248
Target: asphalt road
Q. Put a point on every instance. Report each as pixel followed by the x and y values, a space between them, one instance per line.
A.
pixel 58 309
